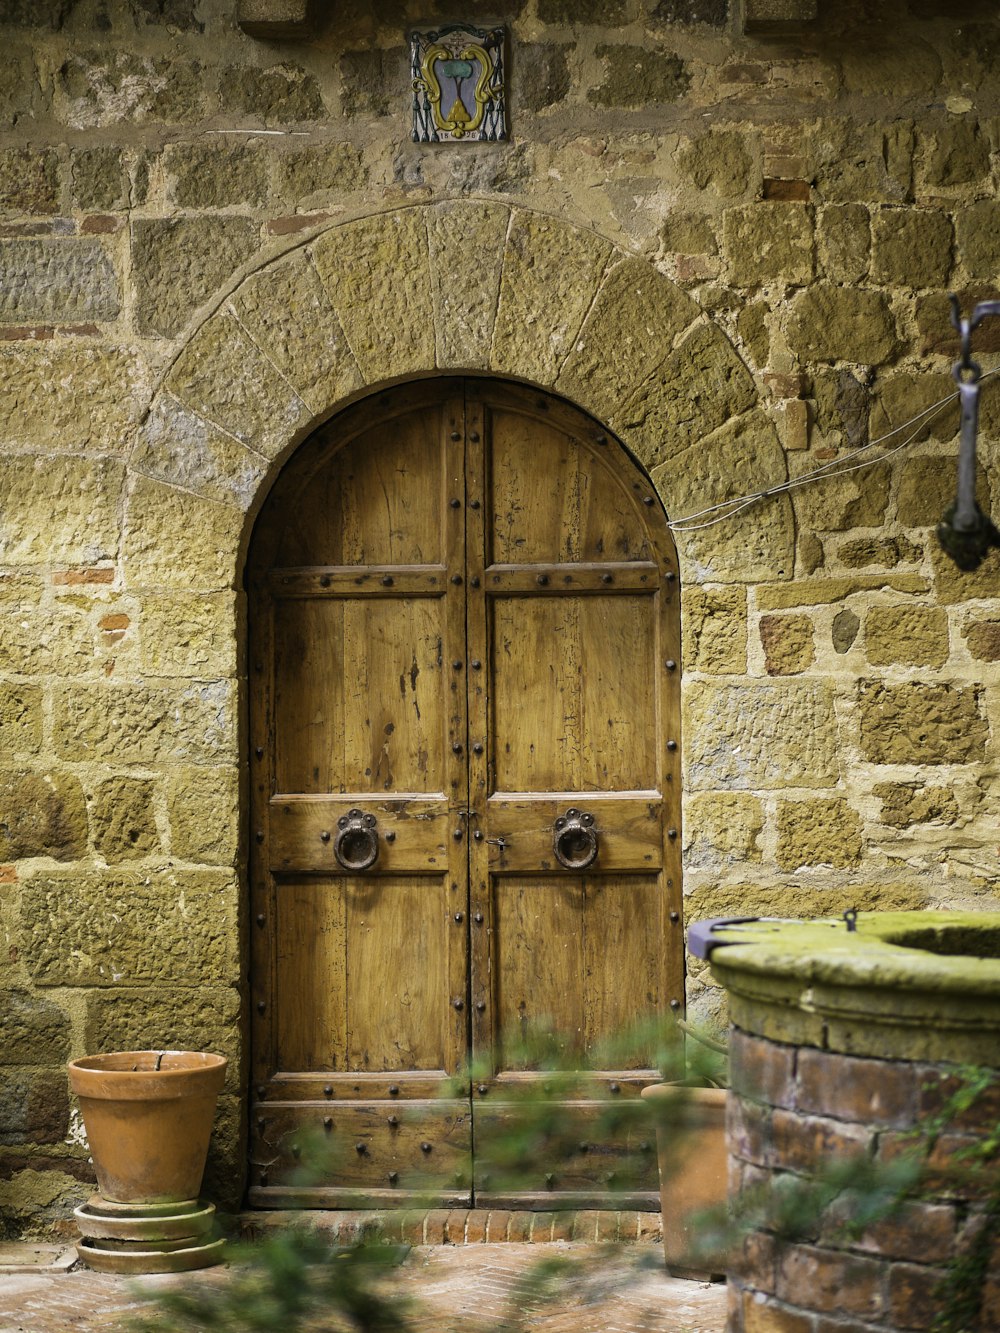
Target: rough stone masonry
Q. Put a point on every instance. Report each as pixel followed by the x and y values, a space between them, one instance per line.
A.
pixel 730 241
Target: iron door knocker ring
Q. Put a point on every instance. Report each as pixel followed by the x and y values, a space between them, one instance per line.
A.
pixel 574 840
pixel 356 843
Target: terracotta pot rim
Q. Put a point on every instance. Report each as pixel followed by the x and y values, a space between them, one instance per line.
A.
pixel 108 1076
pixel 101 1064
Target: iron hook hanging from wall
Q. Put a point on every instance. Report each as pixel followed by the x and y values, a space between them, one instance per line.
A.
pixel 965 532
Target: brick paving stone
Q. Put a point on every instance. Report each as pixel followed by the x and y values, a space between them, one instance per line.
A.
pixel 455 1289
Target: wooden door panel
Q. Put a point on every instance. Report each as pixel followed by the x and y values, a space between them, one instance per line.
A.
pixel 573 693
pixel 375 504
pixel 379 722
pixel 302 829
pixel 599 1153
pixel 362 969
pixel 553 500
pixel 381 1153
pixel 578 957
pixel 629 831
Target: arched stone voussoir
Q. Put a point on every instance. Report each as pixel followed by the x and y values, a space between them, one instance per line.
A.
pixel 223 376
pixel 552 271
pixel 466 241
pixel 741 458
pixel 177 446
pixel 376 273
pixel 285 310
pixel 700 386
pixel 627 334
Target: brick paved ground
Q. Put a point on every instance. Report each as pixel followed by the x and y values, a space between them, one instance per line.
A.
pixel 458 1289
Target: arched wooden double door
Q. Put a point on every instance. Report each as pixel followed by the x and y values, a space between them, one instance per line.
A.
pixel 465 785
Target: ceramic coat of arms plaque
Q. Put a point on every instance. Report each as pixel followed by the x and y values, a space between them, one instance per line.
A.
pixel 459 93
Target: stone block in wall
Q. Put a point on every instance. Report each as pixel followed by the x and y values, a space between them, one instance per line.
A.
pixel 154 514
pixel 958 153
pixel 952 584
pixel 843 236
pixel 72 398
pixel 911 247
pixel 34 1105
pixel 145 723
pixel 830 323
pixel 905 804
pixel 188 634
pixel 20 719
pixel 722 828
pixel 761 736
pixel 203 809
pixel 978 241
pixel 123 818
pixel 216 175
pixel 606 13
pixel 768 242
pixel 201 1017
pixel 106 86
pixel 900 396
pixel 287 313
pixel 714 622
pixel 983 639
pixel 33 1030
pixel 907 636
pixel 98 179
pixel 937 333
pixel 374 81
pixel 696 389
pixel 788 643
pixel 915 723
pixel 819 831
pixel 778 15
pixel 29 181
pixel 59 510
pixel 284 94
pixel 742 456
pixel 541 75
pixel 63 280
pixel 41 814
pixel 133 928
pixel 927 487
pixel 311 177
pixel 723 161
pixel 837 504
pixel 465 282
pixel 178 263
pixel 275 20
pixel 639 76
pixel 388 324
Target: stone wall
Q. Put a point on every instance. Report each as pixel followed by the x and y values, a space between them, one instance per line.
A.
pixel 733 248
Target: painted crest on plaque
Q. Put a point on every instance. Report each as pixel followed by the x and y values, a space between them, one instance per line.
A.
pixel 459 92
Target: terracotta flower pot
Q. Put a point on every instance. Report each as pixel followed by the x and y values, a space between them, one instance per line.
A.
pixel 148 1117
pixel 691 1149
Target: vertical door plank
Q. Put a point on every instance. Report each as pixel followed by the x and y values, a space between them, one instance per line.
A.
pixel 397 980
pixel 617 684
pixel 311 981
pixel 621 962
pixel 309 722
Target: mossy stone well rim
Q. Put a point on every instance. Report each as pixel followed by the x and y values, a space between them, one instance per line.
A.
pixel 871 991
pixel 949 952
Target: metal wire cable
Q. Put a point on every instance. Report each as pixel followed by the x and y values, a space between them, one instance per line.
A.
pixel 835 468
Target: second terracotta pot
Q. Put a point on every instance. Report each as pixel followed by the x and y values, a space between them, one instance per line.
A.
pixel 148 1117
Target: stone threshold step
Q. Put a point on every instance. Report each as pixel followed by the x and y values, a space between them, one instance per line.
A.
pixel 462 1226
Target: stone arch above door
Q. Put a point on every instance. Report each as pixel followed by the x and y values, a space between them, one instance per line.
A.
pixel 442 288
